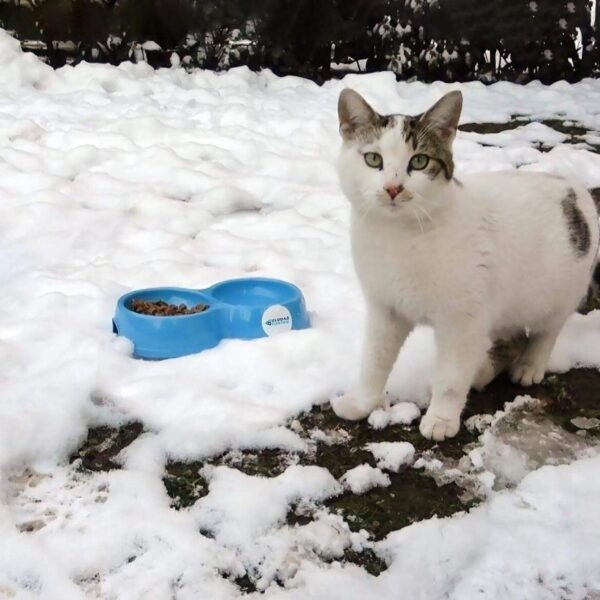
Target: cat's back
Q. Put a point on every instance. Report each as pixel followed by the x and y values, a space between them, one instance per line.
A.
pixel 531 191
pixel 542 234
pixel 540 206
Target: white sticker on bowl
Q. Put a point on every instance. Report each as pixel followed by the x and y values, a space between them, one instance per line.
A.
pixel 276 319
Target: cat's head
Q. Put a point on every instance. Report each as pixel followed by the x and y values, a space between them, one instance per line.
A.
pixel 395 165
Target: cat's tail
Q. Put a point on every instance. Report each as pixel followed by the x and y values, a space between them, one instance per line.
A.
pixel 592 299
pixel 595 283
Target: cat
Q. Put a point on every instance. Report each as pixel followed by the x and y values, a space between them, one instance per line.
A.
pixel 493 257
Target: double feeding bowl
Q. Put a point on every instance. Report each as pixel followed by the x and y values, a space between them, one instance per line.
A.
pixel 239 308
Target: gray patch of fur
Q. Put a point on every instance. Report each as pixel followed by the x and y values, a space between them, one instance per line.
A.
pixel 502 355
pixel 426 139
pixel 434 168
pixel 504 352
pixel 409 126
pixel 371 131
pixel 579 230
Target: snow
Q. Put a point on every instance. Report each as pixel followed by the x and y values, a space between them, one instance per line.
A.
pixel 241 511
pixel 363 478
pixel 115 178
pixel 517 443
pixel 152 46
pixel 507 534
pixel 504 548
pixel 391 456
pixel 402 413
pixel 225 512
pixel 514 442
pixel 586 423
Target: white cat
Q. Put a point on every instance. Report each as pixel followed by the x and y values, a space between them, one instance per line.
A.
pixel 492 257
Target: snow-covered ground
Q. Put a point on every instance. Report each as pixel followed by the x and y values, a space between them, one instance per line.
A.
pixel 120 178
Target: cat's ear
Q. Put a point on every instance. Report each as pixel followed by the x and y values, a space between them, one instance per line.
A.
pixel 445 113
pixel 354 112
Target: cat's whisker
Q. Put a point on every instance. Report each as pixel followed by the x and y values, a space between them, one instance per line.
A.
pixel 424 212
pixel 418 219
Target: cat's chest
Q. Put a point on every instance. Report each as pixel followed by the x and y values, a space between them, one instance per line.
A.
pixel 404 270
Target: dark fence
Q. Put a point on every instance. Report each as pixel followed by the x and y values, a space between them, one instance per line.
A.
pixel 451 40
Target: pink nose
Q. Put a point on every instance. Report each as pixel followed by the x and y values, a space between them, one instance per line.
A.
pixel 393 190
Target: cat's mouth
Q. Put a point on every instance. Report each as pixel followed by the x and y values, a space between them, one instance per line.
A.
pixel 393 210
pixel 397 204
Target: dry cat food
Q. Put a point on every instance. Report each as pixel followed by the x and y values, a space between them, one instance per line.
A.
pixel 160 308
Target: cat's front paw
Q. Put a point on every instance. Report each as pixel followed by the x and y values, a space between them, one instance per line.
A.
pixel 527 374
pixel 355 405
pixel 435 427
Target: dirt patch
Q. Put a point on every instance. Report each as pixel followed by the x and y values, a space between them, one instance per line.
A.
pixel 565 396
pixel 184 483
pixel 367 559
pixel 569 128
pixel 517 121
pixel 413 495
pixel 103 444
pixel 571 395
pixel 575 132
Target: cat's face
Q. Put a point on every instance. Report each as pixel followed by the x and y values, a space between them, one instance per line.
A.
pixel 396 165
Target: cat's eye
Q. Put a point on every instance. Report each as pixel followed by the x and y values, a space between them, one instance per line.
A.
pixel 418 162
pixel 374 160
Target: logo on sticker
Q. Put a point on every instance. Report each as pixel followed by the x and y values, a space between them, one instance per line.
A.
pixel 276 319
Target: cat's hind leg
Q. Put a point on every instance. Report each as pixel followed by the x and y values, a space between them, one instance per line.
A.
pixel 499 358
pixel 530 367
pixel 385 333
pixel 487 372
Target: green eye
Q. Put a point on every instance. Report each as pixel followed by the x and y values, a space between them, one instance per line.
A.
pixel 418 162
pixel 374 160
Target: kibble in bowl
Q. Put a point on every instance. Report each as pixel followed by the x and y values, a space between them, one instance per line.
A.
pixel 160 308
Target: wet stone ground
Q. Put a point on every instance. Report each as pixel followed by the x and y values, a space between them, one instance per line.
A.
pixel 569 402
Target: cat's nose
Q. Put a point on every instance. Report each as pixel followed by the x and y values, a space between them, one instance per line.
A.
pixel 393 190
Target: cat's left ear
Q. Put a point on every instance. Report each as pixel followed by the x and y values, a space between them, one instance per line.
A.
pixel 445 113
pixel 354 113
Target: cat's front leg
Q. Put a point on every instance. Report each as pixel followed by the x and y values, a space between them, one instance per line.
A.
pixel 460 348
pixel 384 335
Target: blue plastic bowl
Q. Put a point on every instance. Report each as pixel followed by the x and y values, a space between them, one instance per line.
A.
pixel 239 308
